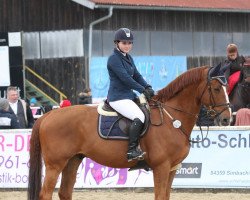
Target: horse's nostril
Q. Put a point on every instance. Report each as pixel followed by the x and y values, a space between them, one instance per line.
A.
pixel 226 121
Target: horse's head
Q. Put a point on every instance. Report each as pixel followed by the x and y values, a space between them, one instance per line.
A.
pixel 214 96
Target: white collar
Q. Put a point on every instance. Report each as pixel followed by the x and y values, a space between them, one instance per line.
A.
pixel 13 103
pixel 121 52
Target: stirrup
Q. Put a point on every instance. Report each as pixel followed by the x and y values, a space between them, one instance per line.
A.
pixel 139 157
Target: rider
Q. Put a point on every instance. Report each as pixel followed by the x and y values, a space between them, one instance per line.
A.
pixel 124 78
pixel 232 66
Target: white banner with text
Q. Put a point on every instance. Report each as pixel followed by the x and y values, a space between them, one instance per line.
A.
pixel 221 160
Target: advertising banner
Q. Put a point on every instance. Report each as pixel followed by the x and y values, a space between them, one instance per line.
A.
pixel 220 160
pixel 14 158
pixel 158 71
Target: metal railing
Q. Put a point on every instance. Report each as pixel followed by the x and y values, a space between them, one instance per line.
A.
pixel 62 96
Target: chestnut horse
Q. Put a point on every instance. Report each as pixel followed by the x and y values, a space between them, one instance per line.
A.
pixel 63 137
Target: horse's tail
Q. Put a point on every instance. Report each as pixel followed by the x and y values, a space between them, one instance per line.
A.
pixel 35 169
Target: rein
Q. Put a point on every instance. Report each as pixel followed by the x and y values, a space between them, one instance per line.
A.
pixel 162 109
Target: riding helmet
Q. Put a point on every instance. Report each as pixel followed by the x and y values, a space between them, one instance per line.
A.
pixel 123 34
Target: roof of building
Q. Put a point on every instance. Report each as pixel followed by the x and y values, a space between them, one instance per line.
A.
pixel 199 5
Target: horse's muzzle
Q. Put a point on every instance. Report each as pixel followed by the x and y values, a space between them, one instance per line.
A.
pixel 222 121
pixel 225 121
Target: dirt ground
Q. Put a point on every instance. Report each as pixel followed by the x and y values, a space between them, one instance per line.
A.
pixel 109 194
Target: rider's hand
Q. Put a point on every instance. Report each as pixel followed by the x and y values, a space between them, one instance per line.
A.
pixel 149 93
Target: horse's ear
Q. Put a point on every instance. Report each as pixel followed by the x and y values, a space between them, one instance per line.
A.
pixel 216 71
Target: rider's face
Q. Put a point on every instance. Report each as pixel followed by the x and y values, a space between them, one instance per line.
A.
pixel 125 46
pixel 232 56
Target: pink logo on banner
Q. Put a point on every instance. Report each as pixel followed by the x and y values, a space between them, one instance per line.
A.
pixel 102 173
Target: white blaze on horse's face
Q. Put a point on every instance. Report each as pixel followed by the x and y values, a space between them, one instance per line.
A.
pixel 227 98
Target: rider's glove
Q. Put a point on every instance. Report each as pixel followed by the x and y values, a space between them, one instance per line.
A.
pixel 148 92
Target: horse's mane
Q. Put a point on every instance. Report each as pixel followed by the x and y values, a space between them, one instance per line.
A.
pixel 191 76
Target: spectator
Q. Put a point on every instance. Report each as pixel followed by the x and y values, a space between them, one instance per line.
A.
pixel 8 120
pixel 232 66
pixel 85 97
pixel 33 101
pixel 243 117
pixel 204 119
pixel 65 103
pixel 36 110
pixel 20 108
pixel 46 108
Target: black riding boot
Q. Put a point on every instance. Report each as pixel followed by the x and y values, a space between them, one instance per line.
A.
pixel 134 133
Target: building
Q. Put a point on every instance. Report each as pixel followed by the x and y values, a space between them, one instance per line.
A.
pixel 57 34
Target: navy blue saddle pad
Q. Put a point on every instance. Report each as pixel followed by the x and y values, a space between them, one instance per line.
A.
pixel 113 127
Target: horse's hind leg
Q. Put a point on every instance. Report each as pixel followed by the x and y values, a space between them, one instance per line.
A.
pixel 51 176
pixel 69 177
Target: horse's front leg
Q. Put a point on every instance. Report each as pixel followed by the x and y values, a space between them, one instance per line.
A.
pixel 170 181
pixel 161 180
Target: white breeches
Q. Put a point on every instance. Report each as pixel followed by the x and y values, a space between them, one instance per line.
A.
pixel 128 108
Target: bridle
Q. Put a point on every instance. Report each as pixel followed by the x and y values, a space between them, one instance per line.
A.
pixel 210 108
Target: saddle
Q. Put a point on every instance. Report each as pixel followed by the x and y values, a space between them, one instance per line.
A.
pixel 112 125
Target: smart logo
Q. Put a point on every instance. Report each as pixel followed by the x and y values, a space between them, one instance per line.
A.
pixel 189 170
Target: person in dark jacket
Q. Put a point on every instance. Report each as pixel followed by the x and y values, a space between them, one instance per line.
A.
pixel 85 97
pixel 20 108
pixel 232 66
pixel 8 120
pixel 204 119
pixel 124 78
